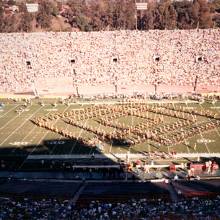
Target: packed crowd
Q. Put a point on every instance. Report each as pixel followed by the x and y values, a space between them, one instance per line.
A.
pixel 27 208
pixel 121 60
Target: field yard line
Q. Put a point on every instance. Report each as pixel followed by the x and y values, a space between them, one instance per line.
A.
pixel 65 128
pixel 78 137
pixel 216 128
pixel 187 149
pixel 20 125
pixel 110 150
pixel 51 152
pixel 10 121
pixel 67 125
pixel 145 101
pixel 35 146
pixel 204 143
pixel 39 142
pixel 32 130
pixel 9 111
pixel 49 130
pixel 92 148
pixel 202 135
pixel 28 133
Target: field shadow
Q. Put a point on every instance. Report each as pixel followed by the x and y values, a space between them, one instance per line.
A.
pixel 24 174
pixel 12 157
pixel 61 159
pixel 27 172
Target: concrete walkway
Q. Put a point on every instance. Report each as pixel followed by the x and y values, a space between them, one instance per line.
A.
pixel 78 193
pixel 121 156
pixel 173 193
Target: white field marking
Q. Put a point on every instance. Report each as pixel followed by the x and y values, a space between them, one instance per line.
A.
pixel 29 133
pixel 202 135
pixel 216 129
pixel 80 133
pixel 91 147
pixel 145 101
pixel 114 130
pixel 194 116
pixel 49 130
pixel 10 121
pixel 9 111
pixel 215 107
pixel 204 140
pixel 67 126
pixel 188 149
pixel 35 146
pixel 19 143
pixel 51 110
pixel 57 142
pixel 77 108
pixel 27 119
pixel 110 149
pixel 188 107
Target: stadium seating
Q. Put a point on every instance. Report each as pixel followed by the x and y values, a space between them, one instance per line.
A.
pixel 129 59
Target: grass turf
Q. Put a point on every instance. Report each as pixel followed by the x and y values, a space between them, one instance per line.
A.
pixel 17 132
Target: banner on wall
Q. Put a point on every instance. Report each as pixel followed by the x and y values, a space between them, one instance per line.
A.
pixel 32 7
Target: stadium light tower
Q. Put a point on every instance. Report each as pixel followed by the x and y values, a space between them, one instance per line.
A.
pixel 75 83
pixel 34 89
pixel 198 62
pixel 116 85
pixel 195 84
pixel 140 5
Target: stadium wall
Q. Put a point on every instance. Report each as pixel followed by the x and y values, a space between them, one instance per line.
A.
pixel 129 60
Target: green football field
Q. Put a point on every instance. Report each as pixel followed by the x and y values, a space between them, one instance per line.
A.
pixel 18 134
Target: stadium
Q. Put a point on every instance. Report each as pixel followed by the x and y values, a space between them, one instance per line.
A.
pixel 120 124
